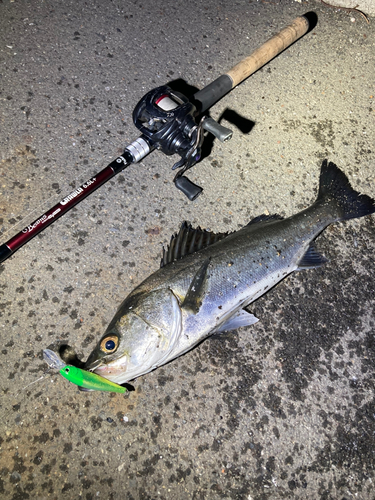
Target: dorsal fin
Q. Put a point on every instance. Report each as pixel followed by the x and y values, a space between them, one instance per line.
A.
pixel 265 218
pixel 188 240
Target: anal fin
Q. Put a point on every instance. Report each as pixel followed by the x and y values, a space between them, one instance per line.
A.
pixel 311 259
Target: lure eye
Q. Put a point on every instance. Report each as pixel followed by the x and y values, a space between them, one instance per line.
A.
pixel 109 344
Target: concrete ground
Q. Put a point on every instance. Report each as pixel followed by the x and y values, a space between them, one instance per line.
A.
pixel 366 7
pixel 280 410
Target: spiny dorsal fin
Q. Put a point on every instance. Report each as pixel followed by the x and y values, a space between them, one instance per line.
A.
pixel 188 240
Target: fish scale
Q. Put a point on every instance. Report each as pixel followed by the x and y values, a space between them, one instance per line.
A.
pixel 206 281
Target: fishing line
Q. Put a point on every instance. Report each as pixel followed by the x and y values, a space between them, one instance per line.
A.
pixel 14 395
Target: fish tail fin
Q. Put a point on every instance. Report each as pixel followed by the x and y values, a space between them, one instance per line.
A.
pixel 335 186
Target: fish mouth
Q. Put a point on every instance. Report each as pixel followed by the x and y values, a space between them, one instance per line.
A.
pixel 91 367
pixel 115 371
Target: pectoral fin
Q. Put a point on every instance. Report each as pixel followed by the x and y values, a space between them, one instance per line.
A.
pixel 194 297
pixel 241 318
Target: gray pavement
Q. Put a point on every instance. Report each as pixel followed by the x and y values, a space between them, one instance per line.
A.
pixel 281 410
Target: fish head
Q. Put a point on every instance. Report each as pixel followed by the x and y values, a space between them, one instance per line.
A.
pixel 137 340
pixel 126 351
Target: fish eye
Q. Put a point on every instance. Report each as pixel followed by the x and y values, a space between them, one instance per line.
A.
pixel 109 344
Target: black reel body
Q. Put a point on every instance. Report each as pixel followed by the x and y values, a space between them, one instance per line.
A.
pixel 166 119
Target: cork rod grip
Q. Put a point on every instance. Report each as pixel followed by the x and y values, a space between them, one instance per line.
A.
pixel 268 50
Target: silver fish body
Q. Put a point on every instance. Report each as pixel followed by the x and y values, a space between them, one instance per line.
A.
pixel 207 291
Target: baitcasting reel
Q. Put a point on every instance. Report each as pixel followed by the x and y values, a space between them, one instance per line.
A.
pixel 166 119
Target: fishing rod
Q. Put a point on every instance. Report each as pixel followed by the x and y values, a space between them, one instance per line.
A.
pixel 174 124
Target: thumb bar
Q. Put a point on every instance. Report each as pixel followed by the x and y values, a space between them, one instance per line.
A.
pixel 265 53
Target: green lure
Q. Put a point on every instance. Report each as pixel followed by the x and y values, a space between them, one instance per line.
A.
pixel 89 380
